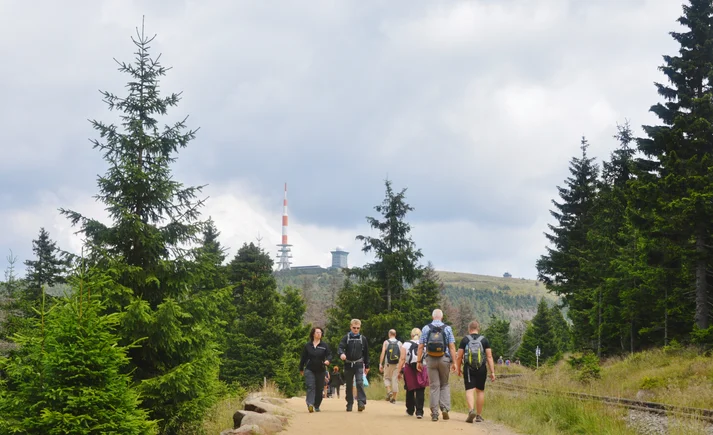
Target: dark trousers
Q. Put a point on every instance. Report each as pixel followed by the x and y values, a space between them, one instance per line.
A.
pixel 414 401
pixel 332 389
pixel 354 372
pixel 315 385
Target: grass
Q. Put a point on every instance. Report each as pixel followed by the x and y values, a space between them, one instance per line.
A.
pixel 681 377
pixel 220 416
pixel 517 286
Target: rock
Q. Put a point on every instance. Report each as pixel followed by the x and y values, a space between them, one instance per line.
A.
pixel 268 422
pixel 261 406
pixel 250 429
pixel 274 400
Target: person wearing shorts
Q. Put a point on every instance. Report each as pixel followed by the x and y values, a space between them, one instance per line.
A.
pixel 475 379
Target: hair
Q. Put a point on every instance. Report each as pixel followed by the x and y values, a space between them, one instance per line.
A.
pixel 335 368
pixel 392 333
pixel 474 326
pixel 311 333
pixel 415 333
pixel 437 314
pixel 355 322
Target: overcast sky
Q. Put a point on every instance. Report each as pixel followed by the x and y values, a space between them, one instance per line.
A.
pixel 475 106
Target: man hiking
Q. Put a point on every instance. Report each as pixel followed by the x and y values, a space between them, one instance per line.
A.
pixel 473 354
pixel 354 351
pixel 389 364
pixel 438 344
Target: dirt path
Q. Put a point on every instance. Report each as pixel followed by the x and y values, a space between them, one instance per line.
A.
pixel 379 417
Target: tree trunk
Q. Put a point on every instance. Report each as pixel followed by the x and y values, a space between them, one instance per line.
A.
pixel 599 326
pixel 702 309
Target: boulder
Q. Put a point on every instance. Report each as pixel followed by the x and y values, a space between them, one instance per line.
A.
pixel 267 422
pixel 250 429
pixel 261 406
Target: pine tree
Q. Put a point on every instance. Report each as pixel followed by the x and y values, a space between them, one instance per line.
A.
pixel 676 186
pixel 498 335
pixel 563 268
pixel 47 269
pixel 295 334
pixel 255 335
pixel 424 297
pixel 67 376
pixel 144 249
pixel 396 265
pixel 12 306
pixel 539 332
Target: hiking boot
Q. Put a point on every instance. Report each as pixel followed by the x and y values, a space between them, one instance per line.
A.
pixel 349 408
pixel 392 400
pixel 388 396
pixel 479 419
pixel 316 409
pixel 434 418
pixel 419 416
pixel 445 414
pixel 360 407
pixel 310 408
pixel 471 416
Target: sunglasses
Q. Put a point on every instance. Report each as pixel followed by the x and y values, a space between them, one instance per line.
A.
pixel 355 327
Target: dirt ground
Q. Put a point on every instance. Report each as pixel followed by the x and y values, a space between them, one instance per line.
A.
pixel 379 417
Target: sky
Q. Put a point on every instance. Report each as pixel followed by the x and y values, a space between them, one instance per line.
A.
pixel 476 107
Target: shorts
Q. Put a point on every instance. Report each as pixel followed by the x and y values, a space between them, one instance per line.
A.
pixel 475 378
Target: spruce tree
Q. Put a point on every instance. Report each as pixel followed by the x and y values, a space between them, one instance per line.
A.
pixel 67 376
pixel 563 268
pixel 676 185
pixel 145 249
pixel 294 335
pixel 255 335
pixel 498 335
pixel 424 297
pixel 539 332
pixel 46 269
pixel 396 265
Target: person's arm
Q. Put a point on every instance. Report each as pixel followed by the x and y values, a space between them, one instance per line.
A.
pixel 419 355
pixel 402 359
pixel 459 361
pixel 491 363
pixel 452 347
pixel 327 355
pixel 303 360
pixel 381 357
pixel 342 347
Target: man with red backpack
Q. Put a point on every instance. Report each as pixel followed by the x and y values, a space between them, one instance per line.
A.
pixel 438 343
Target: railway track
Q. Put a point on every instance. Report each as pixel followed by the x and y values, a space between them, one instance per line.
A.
pixel 652 407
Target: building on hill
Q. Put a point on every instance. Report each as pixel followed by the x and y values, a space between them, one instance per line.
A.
pixel 339 258
pixel 308 269
pixel 507 275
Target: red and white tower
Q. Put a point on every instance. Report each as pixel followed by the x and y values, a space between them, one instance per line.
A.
pixel 284 253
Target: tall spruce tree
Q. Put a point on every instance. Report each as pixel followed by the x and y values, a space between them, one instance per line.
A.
pixel 256 333
pixel 498 335
pixel 153 218
pixel 677 181
pixel 539 333
pixel 46 269
pixel 563 269
pixel 396 265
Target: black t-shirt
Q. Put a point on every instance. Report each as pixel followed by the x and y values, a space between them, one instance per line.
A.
pixel 464 343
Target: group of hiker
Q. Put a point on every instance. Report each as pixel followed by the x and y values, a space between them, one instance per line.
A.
pixel 426 360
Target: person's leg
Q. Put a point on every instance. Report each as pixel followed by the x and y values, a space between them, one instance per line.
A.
pixel 338 388
pixel 319 387
pixel 394 380
pixel 479 402
pixel 435 385
pixel 387 380
pixel 349 377
pixel 359 380
pixel 310 384
pixel 410 402
pixel 444 370
pixel 469 398
pixel 420 397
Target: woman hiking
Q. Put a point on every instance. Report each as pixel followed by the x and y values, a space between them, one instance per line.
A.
pixel 415 381
pixel 315 358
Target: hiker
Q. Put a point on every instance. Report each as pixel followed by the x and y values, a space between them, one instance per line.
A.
pixel 438 344
pixel 315 357
pixel 388 365
pixel 500 360
pixel 415 382
pixel 325 393
pixel 473 354
pixel 335 382
pixel 354 351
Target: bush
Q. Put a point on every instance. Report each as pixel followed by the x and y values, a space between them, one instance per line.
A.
pixel 586 367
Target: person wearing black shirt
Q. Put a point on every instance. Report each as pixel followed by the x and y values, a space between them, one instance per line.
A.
pixel 354 351
pixel 475 378
pixel 315 357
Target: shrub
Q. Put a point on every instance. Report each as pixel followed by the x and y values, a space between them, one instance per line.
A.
pixel 586 367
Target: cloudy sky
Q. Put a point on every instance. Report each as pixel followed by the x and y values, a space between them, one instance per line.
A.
pixel 475 106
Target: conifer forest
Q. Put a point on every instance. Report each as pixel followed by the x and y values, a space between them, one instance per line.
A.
pixel 147 327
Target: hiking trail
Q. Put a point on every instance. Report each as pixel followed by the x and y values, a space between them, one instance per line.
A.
pixel 380 417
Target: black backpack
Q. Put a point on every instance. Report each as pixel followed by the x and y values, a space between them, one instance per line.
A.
pixel 354 347
pixel 412 352
pixel 393 352
pixel 436 341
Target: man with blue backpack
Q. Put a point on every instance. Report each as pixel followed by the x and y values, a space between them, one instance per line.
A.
pixel 438 343
pixel 473 354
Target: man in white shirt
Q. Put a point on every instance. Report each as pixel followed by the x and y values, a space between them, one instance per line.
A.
pixel 388 365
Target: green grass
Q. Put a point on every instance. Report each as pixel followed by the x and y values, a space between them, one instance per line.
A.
pixel 517 286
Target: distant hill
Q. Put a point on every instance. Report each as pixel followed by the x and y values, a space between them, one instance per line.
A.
pixel 466 296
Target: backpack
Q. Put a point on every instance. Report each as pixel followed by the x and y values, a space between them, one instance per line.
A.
pixel 436 341
pixel 412 355
pixel 474 352
pixel 354 347
pixel 393 352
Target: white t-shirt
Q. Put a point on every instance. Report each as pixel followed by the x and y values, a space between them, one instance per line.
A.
pixel 410 359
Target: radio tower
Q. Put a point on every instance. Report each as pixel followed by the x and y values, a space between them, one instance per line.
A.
pixel 284 253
